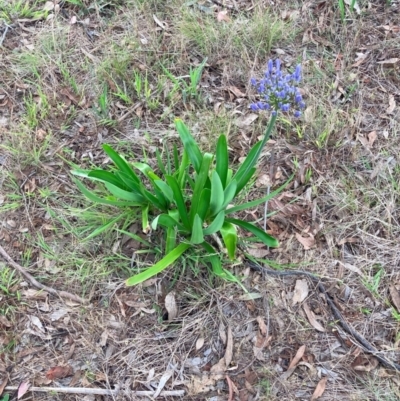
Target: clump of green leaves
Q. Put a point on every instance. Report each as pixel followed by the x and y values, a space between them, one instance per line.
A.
pixel 190 198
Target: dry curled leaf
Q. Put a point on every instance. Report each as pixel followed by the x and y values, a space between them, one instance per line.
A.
pixel 300 291
pixel 389 62
pixel 223 16
pixel 319 390
pixel 364 363
pixel 229 347
pixel 395 295
pixel 297 357
pixel 22 389
pixel 372 138
pixel 262 325
pixel 164 378
pixel 392 105
pixel 199 343
pixel 218 370
pixel 59 372
pixel 311 318
pixel 4 321
pixel 245 121
pixel 307 243
pixel 170 306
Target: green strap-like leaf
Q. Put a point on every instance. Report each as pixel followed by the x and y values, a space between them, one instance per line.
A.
pixel 179 201
pixel 146 170
pixel 159 266
pixel 229 193
pixel 216 225
pixel 189 144
pixel 222 159
pixel 217 193
pixel 167 221
pixel 244 181
pixel 199 184
pixel 170 242
pixel 248 163
pixel 125 195
pixel 94 198
pixel 254 154
pixel 217 268
pixel 121 163
pixel 106 176
pixel 145 219
pixel 260 234
pixel 165 189
pixel 197 231
pixel 249 205
pixel 204 204
pixel 229 235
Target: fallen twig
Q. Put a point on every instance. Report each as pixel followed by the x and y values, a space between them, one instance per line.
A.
pixel 360 340
pixel 4 35
pixel 99 391
pixel 35 283
pixel 230 386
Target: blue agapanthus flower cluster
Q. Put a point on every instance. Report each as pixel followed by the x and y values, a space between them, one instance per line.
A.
pixel 279 91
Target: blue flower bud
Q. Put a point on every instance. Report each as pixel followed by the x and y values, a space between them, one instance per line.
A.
pixel 254 107
pixel 297 114
pixel 298 98
pixel 270 66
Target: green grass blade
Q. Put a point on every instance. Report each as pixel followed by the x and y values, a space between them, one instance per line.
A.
pixel 179 201
pixel 176 158
pixel 197 231
pixel 229 235
pixel 121 163
pixel 189 144
pixel 160 162
pixel 216 225
pixel 166 261
pixel 222 159
pixel 136 237
pixel 103 228
pixel 217 193
pixel 249 205
pixel 260 234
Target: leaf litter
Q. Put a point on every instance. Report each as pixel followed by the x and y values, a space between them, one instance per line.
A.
pixel 151 342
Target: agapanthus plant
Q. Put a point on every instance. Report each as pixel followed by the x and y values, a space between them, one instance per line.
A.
pixel 193 194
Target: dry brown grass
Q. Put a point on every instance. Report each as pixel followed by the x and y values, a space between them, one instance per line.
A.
pixel 345 194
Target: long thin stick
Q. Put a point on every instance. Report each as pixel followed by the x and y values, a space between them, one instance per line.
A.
pixel 35 283
pixel 97 391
